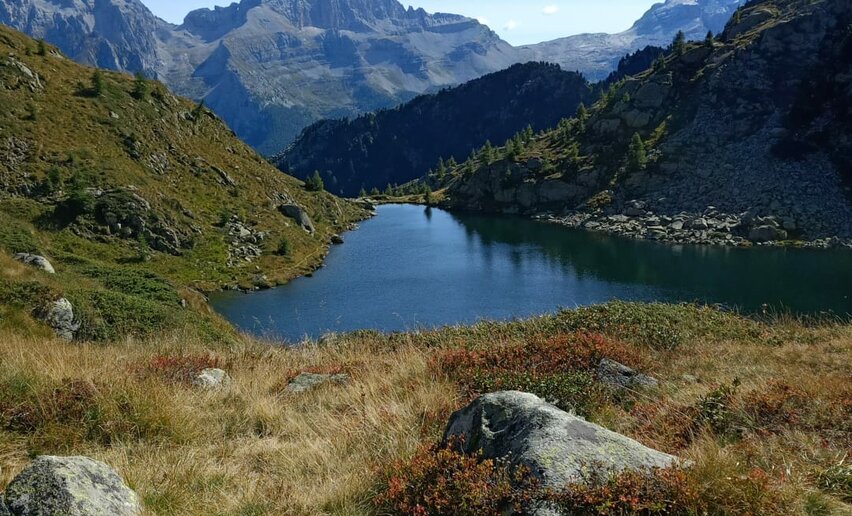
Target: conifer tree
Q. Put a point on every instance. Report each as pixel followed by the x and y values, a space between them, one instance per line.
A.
pixel 98 83
pixel 679 43
pixel 315 182
pixel 708 41
pixel 140 86
pixel 42 48
pixel 637 156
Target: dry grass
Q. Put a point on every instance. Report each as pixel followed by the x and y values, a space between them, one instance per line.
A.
pixel 250 449
pixel 254 449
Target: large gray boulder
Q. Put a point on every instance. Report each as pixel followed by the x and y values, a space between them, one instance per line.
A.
pixel 37 261
pixel 69 486
pixel 59 315
pixel 556 446
pixel 297 213
pixel 767 233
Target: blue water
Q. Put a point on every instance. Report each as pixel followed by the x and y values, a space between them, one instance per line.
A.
pixel 412 267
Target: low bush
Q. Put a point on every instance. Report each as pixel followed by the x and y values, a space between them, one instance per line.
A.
pixel 441 481
pixel 559 369
pixel 176 369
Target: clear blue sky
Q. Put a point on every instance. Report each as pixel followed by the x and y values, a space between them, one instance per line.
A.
pixel 517 21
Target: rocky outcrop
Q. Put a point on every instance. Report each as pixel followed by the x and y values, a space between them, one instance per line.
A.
pixel 69 486
pixel 59 315
pixel 309 381
pixel 37 261
pixel 725 157
pixel 557 447
pixel 244 242
pixel 297 213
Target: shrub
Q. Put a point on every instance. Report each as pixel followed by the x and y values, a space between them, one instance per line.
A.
pixel 558 369
pixel 97 83
pixel 662 491
pixel 284 248
pixel 140 86
pixel 442 481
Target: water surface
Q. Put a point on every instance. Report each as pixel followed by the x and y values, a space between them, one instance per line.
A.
pixel 413 267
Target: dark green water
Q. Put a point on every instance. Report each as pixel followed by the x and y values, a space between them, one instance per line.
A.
pixel 410 267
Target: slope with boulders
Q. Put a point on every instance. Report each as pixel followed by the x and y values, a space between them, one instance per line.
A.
pixel 734 139
pixel 127 202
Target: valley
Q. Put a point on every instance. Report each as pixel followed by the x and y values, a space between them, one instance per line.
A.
pixel 523 290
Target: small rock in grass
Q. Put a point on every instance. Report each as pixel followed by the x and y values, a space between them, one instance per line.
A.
pixel 309 381
pixel 37 261
pixel 620 376
pixel 212 379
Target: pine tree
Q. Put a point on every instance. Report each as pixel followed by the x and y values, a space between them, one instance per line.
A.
pixel 659 63
pixel 582 112
pixel 98 83
pixel 42 48
pixel 488 152
pixel 375 191
pixel 679 43
pixel 362 193
pixel 427 195
pixel 637 157
pixel 315 182
pixel 708 41
pixel 140 86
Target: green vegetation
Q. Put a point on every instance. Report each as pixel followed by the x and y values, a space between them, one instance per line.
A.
pixel 315 183
pixel 760 407
pixel 637 157
pixel 124 194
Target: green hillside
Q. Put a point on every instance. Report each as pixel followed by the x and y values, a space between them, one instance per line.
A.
pixel 140 200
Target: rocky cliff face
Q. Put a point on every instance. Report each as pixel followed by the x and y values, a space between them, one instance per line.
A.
pixel 271 67
pixel 596 55
pixel 715 127
pixel 117 35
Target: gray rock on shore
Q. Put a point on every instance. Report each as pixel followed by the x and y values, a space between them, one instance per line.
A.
pixel 37 261
pixel 557 447
pixel 69 486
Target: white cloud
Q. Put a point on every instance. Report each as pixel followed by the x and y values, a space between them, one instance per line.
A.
pixel 550 10
pixel 483 20
pixel 510 25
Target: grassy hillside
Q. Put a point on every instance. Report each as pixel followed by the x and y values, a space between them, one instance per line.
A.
pixel 139 199
pixel 761 407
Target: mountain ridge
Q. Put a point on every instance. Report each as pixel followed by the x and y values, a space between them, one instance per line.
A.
pixel 270 68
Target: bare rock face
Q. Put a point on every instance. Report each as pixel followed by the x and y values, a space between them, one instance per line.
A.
pixel 556 446
pixel 69 486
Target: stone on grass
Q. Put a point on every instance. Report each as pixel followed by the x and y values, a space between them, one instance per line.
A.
pixel 297 213
pixel 309 381
pixel 212 379
pixel 557 447
pixel 69 486
pixel 59 315
pixel 37 261
pixel 619 376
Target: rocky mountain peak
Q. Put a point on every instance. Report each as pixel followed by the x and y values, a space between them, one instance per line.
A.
pixel 693 17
